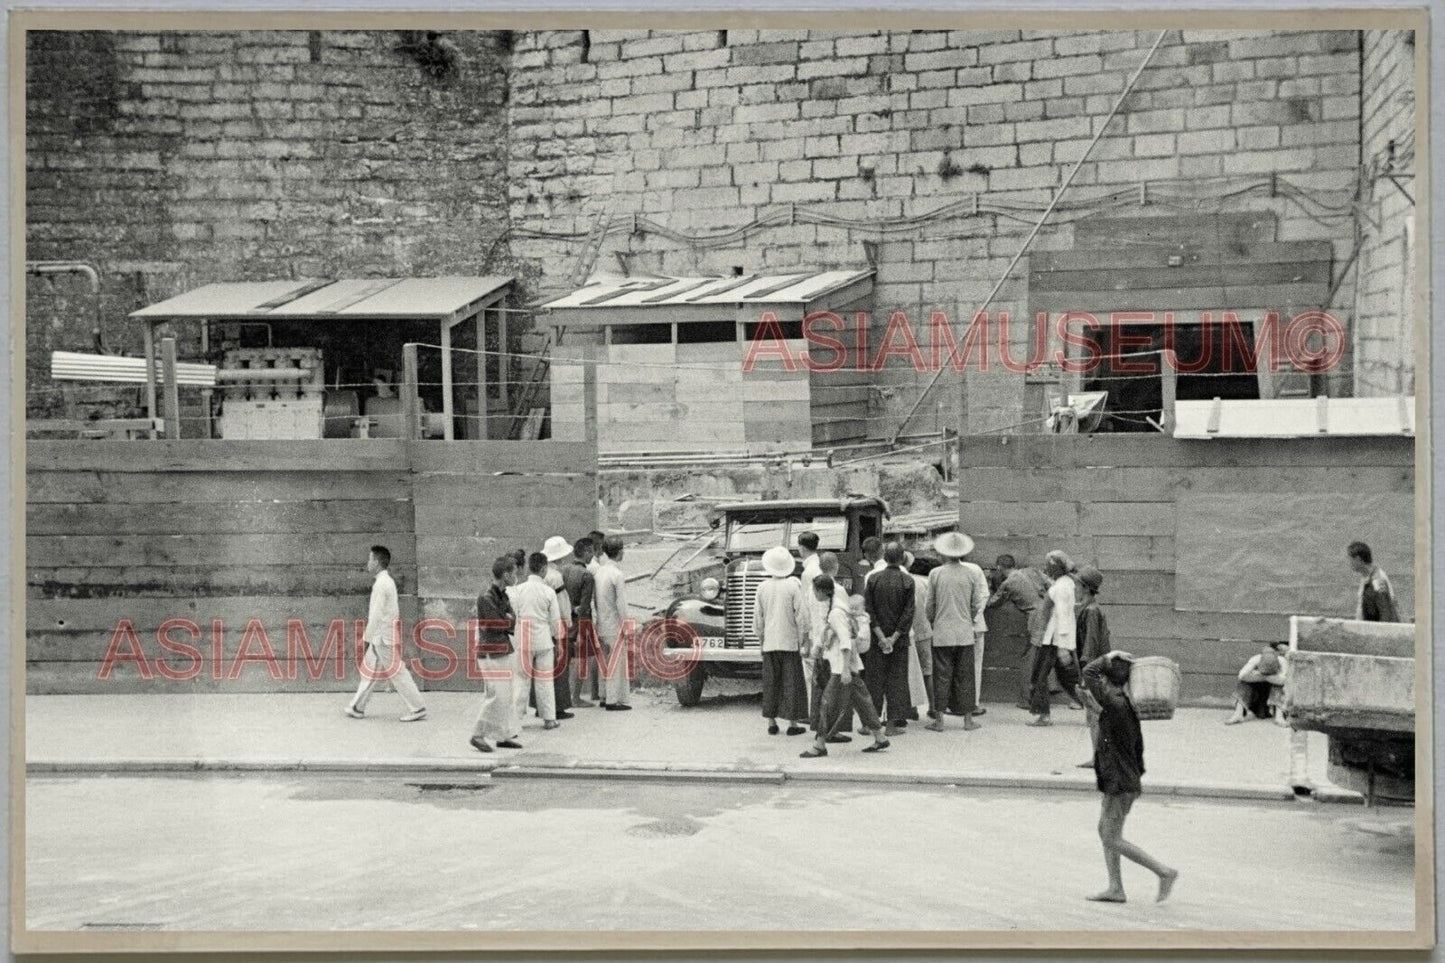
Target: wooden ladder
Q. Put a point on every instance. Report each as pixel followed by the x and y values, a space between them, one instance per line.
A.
pixel 525 416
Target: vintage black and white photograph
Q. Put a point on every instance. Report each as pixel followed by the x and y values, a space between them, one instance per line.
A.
pixel 776 481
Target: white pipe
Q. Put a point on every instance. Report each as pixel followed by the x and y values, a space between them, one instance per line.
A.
pixel 43 268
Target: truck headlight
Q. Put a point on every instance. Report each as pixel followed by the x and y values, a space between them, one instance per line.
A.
pixel 709 589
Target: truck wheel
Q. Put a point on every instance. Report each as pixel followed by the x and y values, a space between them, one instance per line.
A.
pixel 689 687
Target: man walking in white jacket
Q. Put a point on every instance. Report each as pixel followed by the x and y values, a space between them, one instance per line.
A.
pixel 383 644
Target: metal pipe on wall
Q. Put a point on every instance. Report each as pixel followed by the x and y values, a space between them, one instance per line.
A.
pixel 45 268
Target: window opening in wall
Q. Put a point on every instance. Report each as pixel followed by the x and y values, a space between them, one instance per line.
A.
pixel 791 330
pixel 586 46
pixel 1215 370
pixel 706 332
pixel 642 333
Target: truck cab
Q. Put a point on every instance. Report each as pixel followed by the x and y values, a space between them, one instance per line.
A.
pixel 720 612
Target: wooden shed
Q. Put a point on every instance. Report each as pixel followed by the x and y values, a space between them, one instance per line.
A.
pixel 670 355
pixel 345 332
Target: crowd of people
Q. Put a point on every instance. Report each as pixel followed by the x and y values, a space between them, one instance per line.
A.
pixel 917 641
pixel 913 643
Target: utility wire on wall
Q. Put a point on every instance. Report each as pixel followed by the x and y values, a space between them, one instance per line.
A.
pixel 1023 248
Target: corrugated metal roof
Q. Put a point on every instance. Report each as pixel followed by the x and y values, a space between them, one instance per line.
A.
pixel 402 298
pixel 1294 417
pixel 798 288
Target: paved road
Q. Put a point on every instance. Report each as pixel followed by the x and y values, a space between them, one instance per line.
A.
pixel 316 853
pixel 1193 747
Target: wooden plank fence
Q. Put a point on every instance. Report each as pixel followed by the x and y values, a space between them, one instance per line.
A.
pixel 271 531
pixel 1113 501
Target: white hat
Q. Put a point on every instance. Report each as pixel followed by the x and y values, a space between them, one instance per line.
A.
pixel 778 562
pixel 556 548
pixel 953 545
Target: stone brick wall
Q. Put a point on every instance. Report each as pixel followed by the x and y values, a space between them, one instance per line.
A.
pixel 1384 334
pixel 707 131
pixel 169 160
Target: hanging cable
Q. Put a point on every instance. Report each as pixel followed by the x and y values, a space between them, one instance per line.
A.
pixel 1128 89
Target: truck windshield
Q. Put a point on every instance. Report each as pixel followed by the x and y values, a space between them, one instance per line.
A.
pixel 752 533
pixel 831 530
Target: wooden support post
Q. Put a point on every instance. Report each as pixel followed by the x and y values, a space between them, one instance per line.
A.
pixel 1168 386
pixel 206 393
pixel 410 409
pixel 150 347
pixel 482 430
pixel 448 432
pixel 1216 413
pixel 589 394
pixel 172 390
pixel 504 362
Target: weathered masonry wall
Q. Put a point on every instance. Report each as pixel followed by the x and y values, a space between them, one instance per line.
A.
pixel 704 132
pixel 1131 505
pixel 173 159
pixel 151 531
pixel 1385 333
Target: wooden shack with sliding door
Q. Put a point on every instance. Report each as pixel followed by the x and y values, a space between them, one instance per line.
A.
pixel 670 357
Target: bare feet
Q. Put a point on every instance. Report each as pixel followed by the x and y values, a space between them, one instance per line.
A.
pixel 1040 721
pixel 969 725
pixel 1108 896
pixel 1166 884
pixel 1233 720
pixel 935 726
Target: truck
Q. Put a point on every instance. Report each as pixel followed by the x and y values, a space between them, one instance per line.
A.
pixel 720 640
pixel 1355 682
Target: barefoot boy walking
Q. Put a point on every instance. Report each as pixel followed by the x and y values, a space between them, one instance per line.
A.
pixel 1118 764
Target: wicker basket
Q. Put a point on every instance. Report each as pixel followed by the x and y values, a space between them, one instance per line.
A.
pixel 1154 687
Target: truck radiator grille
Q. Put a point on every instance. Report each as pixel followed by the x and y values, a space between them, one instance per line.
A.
pixel 742 591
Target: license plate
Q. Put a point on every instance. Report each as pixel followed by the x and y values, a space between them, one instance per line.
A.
pixel 712 641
